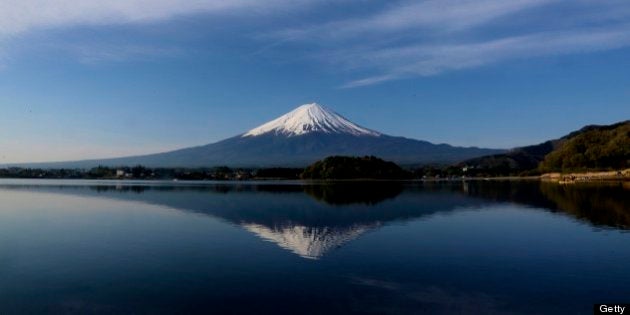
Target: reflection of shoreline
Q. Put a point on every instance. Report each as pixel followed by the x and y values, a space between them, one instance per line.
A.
pixel 369 193
pixel 602 204
pixel 587 202
pixel 311 220
pixel 308 221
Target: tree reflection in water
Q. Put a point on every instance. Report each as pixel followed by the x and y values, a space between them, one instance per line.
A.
pixel 284 213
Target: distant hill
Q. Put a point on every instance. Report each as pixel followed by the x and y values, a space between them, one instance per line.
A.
pixel 593 147
pixel 514 162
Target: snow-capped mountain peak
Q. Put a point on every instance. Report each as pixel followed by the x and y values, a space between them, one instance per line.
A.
pixel 310 118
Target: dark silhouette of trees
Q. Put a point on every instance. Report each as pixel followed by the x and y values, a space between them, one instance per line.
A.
pixel 345 167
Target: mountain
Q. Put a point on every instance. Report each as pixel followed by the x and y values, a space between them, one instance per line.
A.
pixel 307 134
pixel 513 162
pixel 592 147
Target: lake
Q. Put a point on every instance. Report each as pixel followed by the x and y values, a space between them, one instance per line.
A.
pixel 517 247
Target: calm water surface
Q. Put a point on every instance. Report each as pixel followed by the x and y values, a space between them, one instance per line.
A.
pixel 372 248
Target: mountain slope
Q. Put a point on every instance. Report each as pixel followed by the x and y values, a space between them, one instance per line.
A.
pixel 592 147
pixel 307 134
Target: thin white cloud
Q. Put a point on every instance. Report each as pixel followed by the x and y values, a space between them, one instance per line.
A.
pixel 435 16
pixel 395 40
pixel 427 60
pixel 424 38
pixel 17 16
pixel 20 17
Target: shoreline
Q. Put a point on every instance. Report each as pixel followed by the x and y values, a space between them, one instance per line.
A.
pixel 583 177
pixel 557 177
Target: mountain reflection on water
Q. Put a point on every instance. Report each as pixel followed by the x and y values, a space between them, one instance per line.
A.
pixel 312 219
pixel 354 193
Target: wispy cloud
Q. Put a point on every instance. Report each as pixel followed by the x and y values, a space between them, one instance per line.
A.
pixel 433 16
pixel 410 38
pixel 384 41
pixel 427 60
pixel 20 18
pixel 17 16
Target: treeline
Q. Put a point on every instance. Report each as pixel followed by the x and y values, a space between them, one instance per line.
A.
pixel 141 172
pixel 462 171
pixel 225 173
pixel 335 167
pixel 346 167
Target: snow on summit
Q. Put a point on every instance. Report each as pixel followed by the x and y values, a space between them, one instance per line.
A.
pixel 310 118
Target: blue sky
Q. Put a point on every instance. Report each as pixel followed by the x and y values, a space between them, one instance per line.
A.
pixel 89 79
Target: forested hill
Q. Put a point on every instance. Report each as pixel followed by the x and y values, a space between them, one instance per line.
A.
pixel 347 167
pixel 593 147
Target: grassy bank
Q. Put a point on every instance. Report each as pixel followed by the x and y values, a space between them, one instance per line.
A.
pixel 587 176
